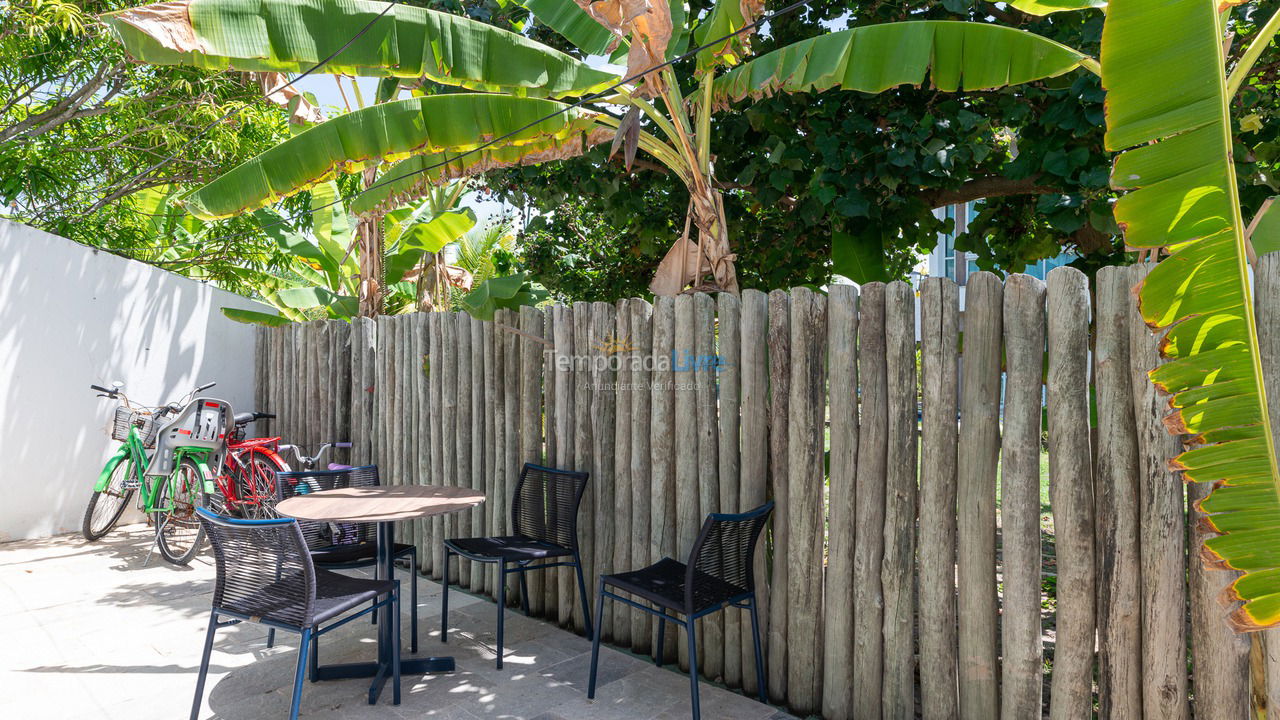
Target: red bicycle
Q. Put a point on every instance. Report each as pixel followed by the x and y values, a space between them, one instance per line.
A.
pixel 247 484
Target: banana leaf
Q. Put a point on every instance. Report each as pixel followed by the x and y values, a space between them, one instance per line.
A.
pixel 295 35
pixel 726 17
pixel 253 317
pixel 509 292
pixel 386 133
pixel 1168 110
pixel 410 179
pixel 1046 7
pixel 873 58
pixel 427 237
pixel 573 24
pixel 1266 228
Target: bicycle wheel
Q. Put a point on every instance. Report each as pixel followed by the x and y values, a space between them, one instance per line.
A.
pixel 178 530
pixel 259 485
pixel 107 505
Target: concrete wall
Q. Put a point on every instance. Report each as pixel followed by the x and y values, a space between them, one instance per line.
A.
pixel 71 316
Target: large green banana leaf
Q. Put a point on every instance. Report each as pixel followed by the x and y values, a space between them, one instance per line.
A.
pixel 295 35
pixel 726 18
pixel 426 237
pixel 1045 7
pixel 409 180
pixel 386 133
pixel 573 24
pixel 1168 108
pixel 874 58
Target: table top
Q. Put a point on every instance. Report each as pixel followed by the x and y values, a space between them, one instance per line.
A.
pixel 379 504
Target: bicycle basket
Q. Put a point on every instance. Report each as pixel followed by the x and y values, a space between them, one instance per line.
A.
pixel 129 418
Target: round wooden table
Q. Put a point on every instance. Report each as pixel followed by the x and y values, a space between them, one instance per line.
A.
pixel 384 505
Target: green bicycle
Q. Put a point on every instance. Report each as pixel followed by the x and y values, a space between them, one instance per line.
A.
pixel 172 481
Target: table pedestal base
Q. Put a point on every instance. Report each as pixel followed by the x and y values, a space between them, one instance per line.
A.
pixel 381 672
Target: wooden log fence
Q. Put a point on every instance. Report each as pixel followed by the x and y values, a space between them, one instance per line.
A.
pixel 974 517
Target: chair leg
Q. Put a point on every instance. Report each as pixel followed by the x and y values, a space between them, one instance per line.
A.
pixel 204 664
pixel 689 626
pixel 502 606
pixel 662 638
pixel 314 655
pixel 304 646
pixel 582 590
pixel 395 643
pixel 271 637
pixel 413 602
pixel 595 644
pixel 444 598
pixel 524 594
pixel 755 639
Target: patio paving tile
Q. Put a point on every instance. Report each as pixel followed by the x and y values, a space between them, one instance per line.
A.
pixel 92 631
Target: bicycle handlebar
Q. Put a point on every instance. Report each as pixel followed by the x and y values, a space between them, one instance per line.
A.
pixel 204 387
pixel 99 388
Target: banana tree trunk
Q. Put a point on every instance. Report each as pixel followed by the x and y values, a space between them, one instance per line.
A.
pixel 706 264
pixel 369 239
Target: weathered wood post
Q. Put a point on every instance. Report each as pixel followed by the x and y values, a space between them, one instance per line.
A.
pixel 1116 502
pixel 842 382
pixel 1021 686
pixel 939 370
pixel 976 498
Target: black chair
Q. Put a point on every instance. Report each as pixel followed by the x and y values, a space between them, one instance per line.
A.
pixel 544 526
pixel 719 574
pixel 265 575
pixel 344 546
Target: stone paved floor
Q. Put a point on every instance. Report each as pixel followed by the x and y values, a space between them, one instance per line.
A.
pixel 86 631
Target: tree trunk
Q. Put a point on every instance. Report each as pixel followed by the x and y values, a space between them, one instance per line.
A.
pixel 705 265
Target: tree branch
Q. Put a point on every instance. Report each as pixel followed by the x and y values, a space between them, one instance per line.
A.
pixel 985 187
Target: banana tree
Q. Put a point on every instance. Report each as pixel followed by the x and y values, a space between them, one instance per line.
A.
pixel 1169 97
pixel 522 83
pixel 324 273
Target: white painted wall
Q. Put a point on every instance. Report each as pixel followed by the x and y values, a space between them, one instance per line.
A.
pixel 71 316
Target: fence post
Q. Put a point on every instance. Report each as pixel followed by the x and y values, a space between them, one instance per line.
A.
pixel 873 448
pixel 584 426
pixel 1162 532
pixel 807 409
pixel 837 607
pixel 688 513
pixel 531 367
pixel 976 498
pixel 1267 305
pixel 728 374
pixel 779 349
pixel 614 351
pixel 602 436
pixel 898 571
pixel 641 460
pixel 703 375
pixel 1116 500
pixel 1022 686
pixel 661 451
pixel 754 485
pixel 939 373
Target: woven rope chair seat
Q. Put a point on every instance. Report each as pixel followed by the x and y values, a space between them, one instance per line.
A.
pixel 663 583
pixel 512 548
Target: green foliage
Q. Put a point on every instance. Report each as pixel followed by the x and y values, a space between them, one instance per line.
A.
pixel 80 125
pixel 509 292
pixel 802 169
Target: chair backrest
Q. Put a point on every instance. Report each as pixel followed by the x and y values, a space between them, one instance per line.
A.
pixel 545 506
pixel 723 554
pixel 323 534
pixel 263 566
